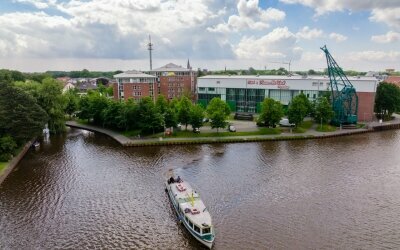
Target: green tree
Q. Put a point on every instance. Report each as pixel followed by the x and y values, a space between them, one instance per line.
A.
pixel 297 110
pixel 271 112
pixel 387 100
pixel 150 119
pixel 196 116
pixel 84 108
pixel 170 118
pixel 218 111
pixel 161 104
pixel 112 115
pixel 7 148
pixel 72 102
pixel 21 116
pixel 307 103
pixel 53 102
pixel 184 106
pixel 323 111
pixel 97 104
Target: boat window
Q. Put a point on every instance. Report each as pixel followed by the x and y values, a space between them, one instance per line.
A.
pixel 190 224
pixel 196 228
pixel 186 219
pixel 206 230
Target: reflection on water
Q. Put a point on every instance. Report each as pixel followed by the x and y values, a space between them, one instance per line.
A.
pixel 82 190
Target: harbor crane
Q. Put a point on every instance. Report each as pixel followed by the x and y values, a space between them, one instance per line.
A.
pixel 344 97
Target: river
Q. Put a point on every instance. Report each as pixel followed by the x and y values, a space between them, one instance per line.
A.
pixel 82 190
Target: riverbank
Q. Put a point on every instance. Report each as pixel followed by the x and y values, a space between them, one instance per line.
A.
pixel 310 134
pixel 8 167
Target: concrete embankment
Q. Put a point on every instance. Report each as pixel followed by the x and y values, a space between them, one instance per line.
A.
pixel 125 141
pixel 14 161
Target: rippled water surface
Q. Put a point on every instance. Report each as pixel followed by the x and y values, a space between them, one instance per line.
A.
pixel 83 190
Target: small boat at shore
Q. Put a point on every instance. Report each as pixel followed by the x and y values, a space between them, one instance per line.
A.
pixel 191 210
pixel 36 144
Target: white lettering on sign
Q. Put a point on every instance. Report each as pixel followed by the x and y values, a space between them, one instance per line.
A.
pixel 279 83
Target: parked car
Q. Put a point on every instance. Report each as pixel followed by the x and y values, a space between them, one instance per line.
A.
pixel 196 130
pixel 231 128
pixel 284 122
pixel 205 120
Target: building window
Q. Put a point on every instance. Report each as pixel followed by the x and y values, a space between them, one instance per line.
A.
pixel 202 89
pixel 314 96
pixel 211 89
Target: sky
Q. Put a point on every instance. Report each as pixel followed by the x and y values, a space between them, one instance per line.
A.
pixel 40 35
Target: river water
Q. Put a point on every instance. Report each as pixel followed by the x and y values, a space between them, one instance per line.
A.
pixel 83 191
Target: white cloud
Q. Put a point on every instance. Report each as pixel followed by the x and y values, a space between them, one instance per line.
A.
pixel 389 37
pixel 389 16
pixel 114 29
pixel 40 4
pixel 250 16
pixel 308 34
pixel 278 44
pixel 385 11
pixel 373 55
pixel 324 6
pixel 337 37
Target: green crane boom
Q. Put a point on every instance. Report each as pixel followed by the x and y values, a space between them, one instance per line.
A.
pixel 344 97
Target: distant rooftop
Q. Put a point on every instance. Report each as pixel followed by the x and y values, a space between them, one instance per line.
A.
pixel 282 77
pixel 171 67
pixel 133 74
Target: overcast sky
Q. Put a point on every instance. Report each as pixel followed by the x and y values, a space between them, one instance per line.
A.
pixel 40 35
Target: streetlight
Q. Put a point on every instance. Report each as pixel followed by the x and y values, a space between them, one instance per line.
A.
pixel 321 122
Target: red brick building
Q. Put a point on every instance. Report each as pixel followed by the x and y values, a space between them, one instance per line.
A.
pixel 136 85
pixel 174 80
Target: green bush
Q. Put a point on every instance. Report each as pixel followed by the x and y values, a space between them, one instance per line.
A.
pixel 7 148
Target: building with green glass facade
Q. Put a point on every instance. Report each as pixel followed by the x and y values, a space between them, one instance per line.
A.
pixel 246 93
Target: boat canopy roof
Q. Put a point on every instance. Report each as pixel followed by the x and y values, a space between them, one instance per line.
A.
pixel 190 203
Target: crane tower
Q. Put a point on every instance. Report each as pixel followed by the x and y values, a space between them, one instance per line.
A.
pixel 344 97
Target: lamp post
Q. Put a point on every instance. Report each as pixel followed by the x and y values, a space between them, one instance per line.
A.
pixel 321 123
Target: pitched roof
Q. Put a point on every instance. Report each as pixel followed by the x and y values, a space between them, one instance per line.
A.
pixel 171 68
pixel 133 73
pixel 394 80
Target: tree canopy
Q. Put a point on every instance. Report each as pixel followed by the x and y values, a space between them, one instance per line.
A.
pixel 387 100
pixel 323 111
pixel 298 109
pixel 218 111
pixel 21 116
pixel 271 112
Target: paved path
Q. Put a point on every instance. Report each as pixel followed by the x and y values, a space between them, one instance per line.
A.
pixel 311 133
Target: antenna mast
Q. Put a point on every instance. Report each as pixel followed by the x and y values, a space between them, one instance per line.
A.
pixel 150 48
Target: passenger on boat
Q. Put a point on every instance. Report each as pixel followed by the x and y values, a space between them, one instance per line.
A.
pixel 171 180
pixel 178 179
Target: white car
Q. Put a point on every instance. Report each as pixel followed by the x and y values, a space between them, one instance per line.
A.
pixel 284 122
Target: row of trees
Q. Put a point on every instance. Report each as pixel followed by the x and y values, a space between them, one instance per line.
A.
pixel 146 115
pixel 272 111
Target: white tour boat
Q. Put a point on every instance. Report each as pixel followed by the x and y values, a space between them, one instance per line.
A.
pixel 191 210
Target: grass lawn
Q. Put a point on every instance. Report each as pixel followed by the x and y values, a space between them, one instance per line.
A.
pixel 131 133
pixel 3 165
pixel 222 133
pixel 360 125
pixel 325 128
pixel 303 127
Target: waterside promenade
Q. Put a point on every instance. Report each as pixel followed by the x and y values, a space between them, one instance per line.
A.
pixel 310 134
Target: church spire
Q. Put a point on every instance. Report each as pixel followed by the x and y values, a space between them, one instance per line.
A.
pixel 188 65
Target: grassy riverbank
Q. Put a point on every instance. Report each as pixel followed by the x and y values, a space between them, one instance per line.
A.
pixel 3 166
pixel 325 128
pixel 303 127
pixel 223 133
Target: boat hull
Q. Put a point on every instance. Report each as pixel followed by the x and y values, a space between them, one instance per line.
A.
pixel 175 205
